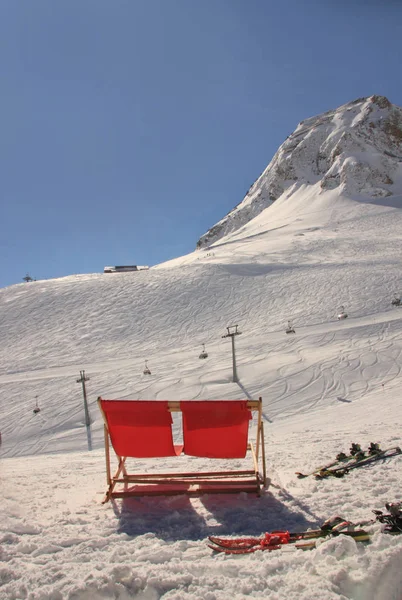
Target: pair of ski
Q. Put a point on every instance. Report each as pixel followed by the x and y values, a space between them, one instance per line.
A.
pixel 276 540
pixel 355 459
pixel 334 526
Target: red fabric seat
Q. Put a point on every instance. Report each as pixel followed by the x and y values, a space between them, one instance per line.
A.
pixel 140 428
pixel 217 429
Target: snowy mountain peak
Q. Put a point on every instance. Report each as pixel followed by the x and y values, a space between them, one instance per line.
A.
pixel 356 149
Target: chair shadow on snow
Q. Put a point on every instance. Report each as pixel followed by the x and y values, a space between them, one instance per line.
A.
pixel 169 517
pixel 181 517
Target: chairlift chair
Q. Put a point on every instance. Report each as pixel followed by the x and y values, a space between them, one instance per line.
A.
pixel 342 314
pixel 146 370
pixel 290 328
pixel 203 354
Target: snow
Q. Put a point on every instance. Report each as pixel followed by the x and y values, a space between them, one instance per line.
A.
pixel 332 383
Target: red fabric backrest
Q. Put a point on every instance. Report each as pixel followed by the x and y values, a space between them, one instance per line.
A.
pixel 216 428
pixel 139 428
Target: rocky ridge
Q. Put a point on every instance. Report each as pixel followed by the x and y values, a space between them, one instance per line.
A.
pixel 356 149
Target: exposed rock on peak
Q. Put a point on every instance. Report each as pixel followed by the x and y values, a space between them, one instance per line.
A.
pixel 356 148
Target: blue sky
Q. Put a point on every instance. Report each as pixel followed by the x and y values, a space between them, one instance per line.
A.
pixel 130 127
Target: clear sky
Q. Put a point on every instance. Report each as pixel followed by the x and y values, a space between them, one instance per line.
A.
pixel 130 127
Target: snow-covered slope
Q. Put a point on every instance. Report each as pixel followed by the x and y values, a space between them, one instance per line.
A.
pixel 355 149
pixel 300 260
pixel 331 383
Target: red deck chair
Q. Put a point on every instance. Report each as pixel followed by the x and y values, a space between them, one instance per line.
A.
pixel 211 429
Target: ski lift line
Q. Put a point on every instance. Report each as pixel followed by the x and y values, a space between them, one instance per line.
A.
pixel 46 374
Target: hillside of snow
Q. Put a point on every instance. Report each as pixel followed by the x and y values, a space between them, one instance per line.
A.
pixel 331 383
pixel 301 260
pixel 355 149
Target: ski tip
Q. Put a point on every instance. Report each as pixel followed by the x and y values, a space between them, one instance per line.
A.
pixel 300 475
pixel 213 540
pixel 231 551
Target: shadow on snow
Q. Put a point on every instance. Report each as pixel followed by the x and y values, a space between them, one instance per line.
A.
pixel 174 518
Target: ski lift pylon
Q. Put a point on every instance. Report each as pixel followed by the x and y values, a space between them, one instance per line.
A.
pixel 204 353
pixel 146 370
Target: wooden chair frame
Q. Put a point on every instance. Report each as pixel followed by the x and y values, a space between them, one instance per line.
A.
pixel 193 483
